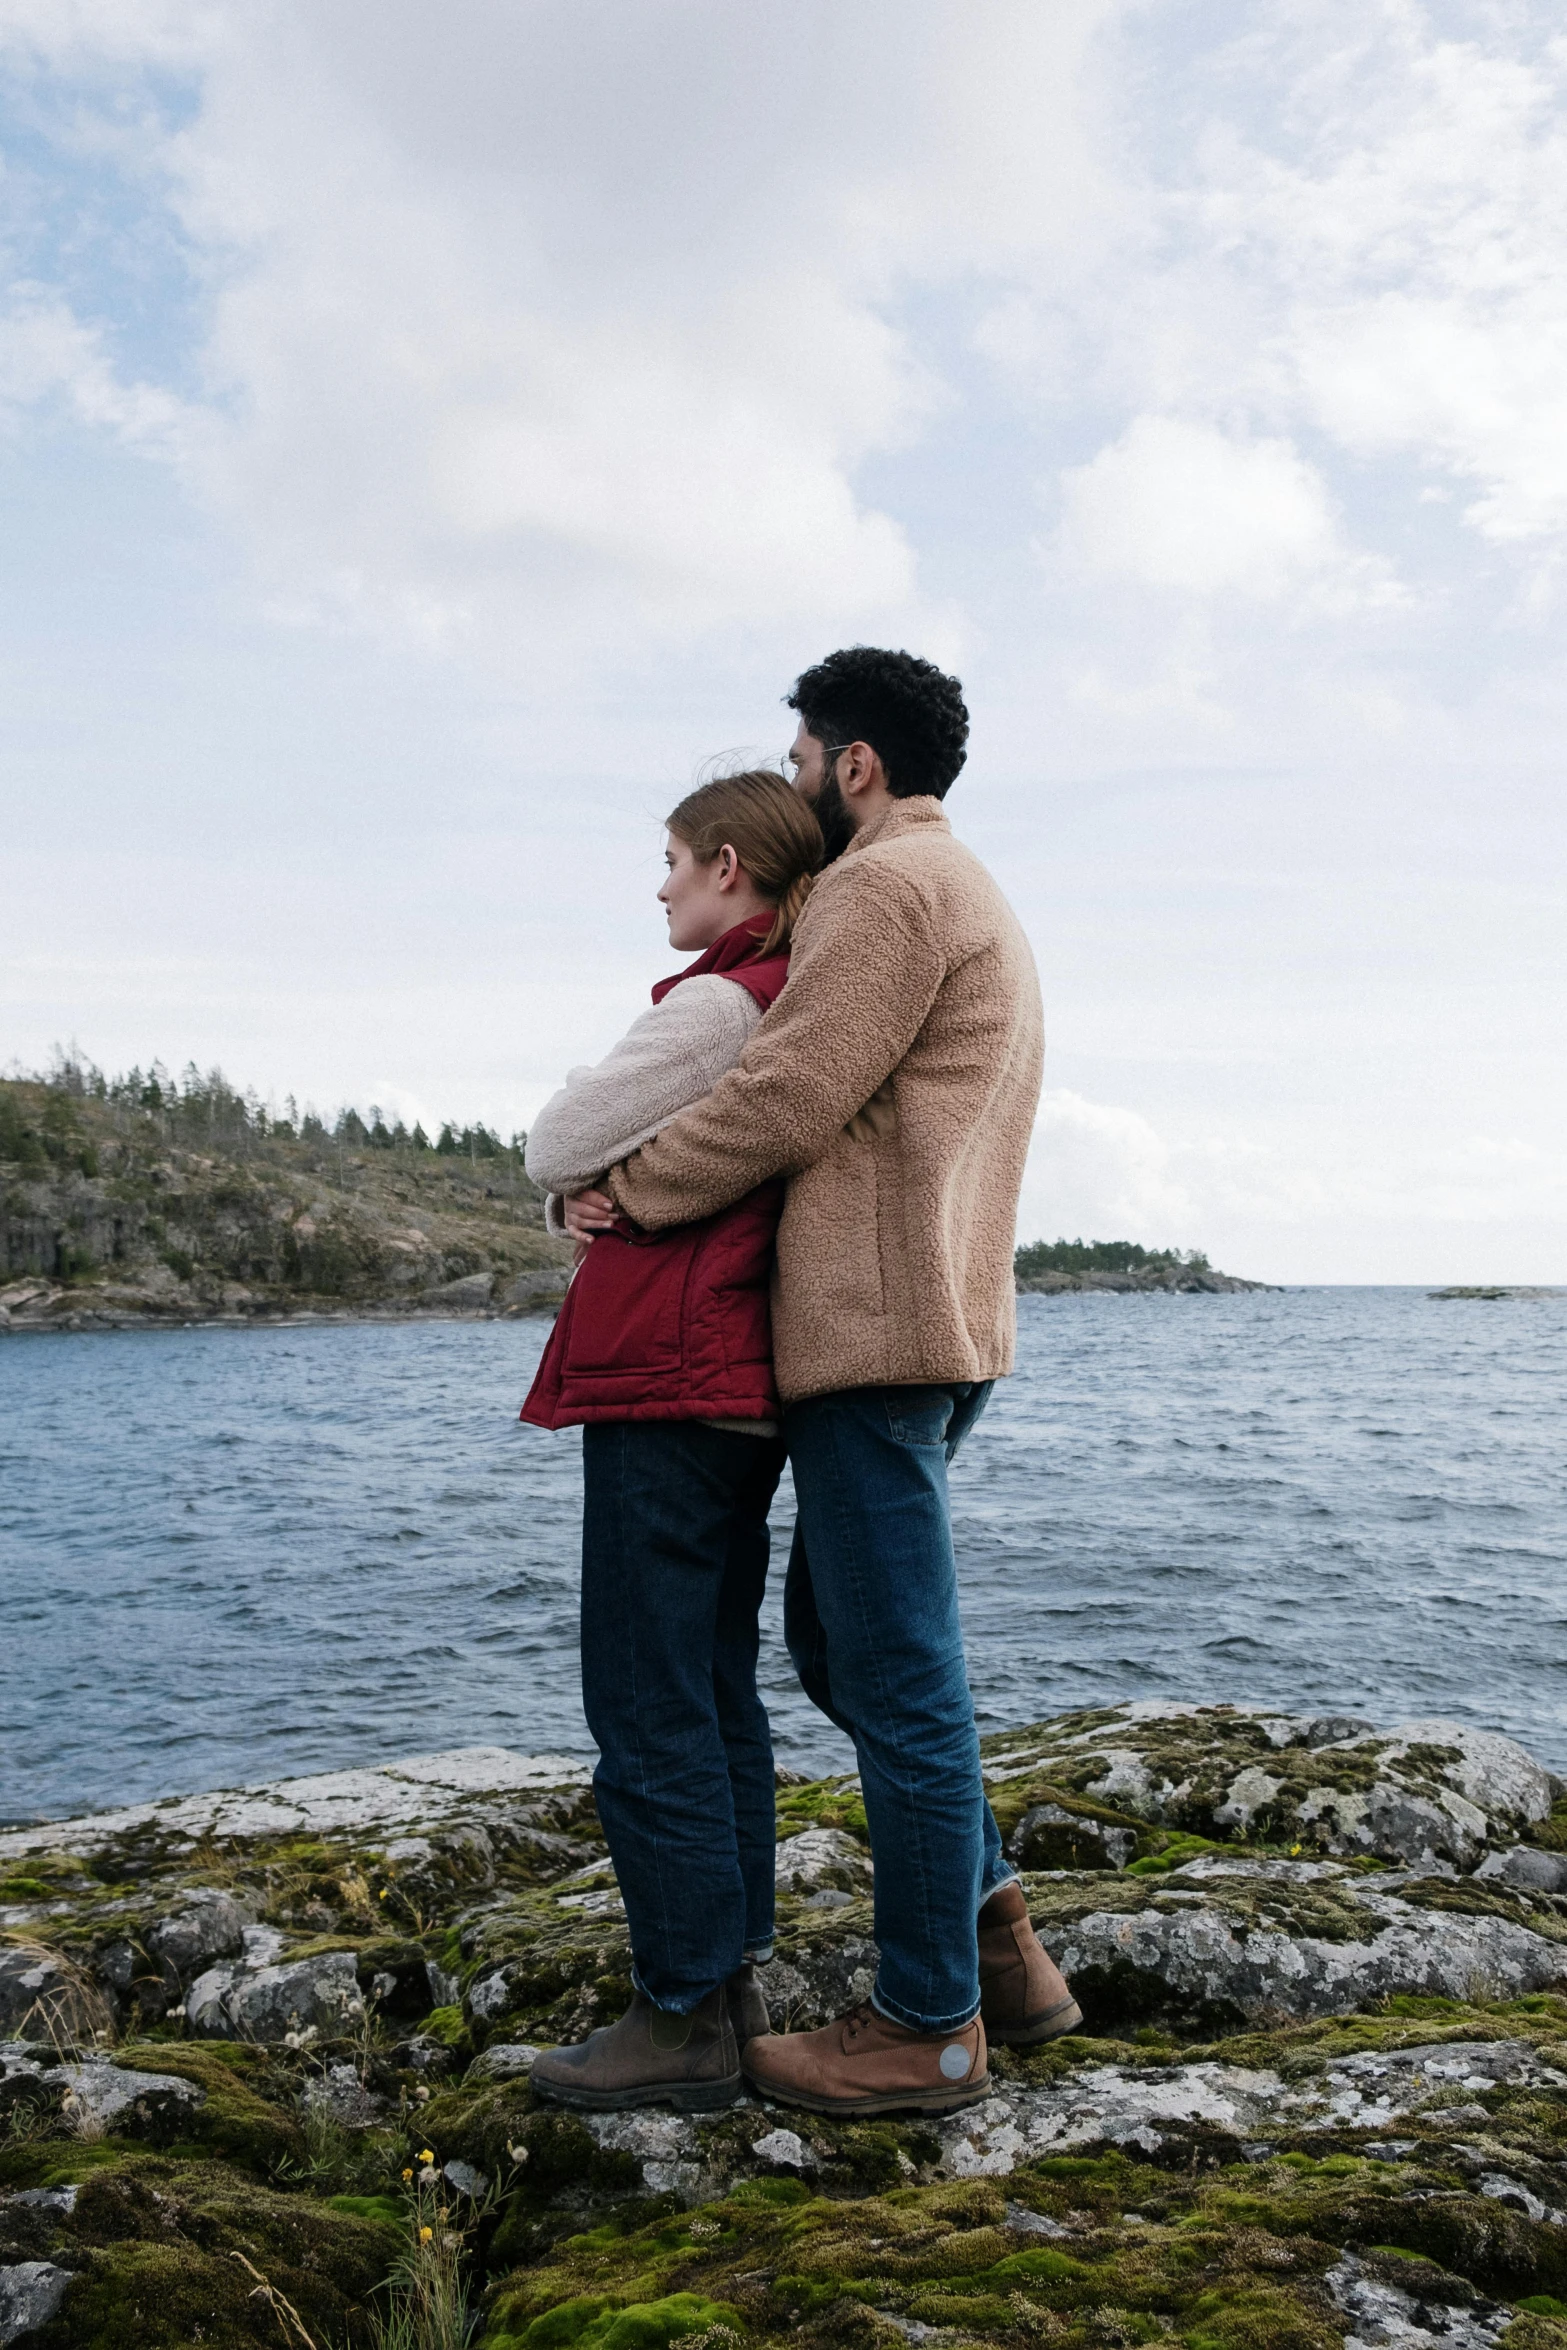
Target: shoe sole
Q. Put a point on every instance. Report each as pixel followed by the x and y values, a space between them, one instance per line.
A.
pixel 899 2101
pixel 684 2096
pixel 1035 2028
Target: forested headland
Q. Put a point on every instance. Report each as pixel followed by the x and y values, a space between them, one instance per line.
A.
pixel 149 1197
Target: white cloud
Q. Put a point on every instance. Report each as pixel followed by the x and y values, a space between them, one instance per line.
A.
pixel 1180 505
pixel 1099 1171
pixel 1096 1172
pixel 1375 245
pixel 46 353
pixel 532 323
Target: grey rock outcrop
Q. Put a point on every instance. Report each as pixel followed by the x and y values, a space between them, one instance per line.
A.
pixel 1427 1794
pixel 34 1985
pixel 340 2093
pixel 96 2095
pixel 506 2060
pixel 209 1926
pixel 1532 1871
pixel 1381 2312
pixel 1219 1942
pixel 420 1791
pixel 822 1860
pixel 1147 2111
pixel 315 1996
pixel 30 2295
pixel 1049 1836
pixel 1144 2110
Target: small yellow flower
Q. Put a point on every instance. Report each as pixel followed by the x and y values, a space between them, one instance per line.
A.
pixel 425 2234
pixel 385 1889
pixel 407 2175
pixel 1294 1852
pixel 426 2155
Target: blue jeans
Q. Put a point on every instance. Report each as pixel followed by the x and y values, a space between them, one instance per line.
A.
pixel 871 1618
pixel 674 1563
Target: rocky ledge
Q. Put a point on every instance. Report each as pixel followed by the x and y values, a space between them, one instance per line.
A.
pixel 266 2073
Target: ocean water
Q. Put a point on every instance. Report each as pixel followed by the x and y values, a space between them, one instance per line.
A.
pixel 228 1555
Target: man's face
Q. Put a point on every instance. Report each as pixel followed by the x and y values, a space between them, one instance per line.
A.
pixel 806 757
pixel 815 779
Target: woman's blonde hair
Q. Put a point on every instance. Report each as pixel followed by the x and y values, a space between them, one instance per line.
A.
pixel 772 831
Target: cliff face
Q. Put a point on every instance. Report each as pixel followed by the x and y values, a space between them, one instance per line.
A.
pixel 112 1214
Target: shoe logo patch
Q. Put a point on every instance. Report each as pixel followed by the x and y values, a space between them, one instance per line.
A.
pixel 954 2060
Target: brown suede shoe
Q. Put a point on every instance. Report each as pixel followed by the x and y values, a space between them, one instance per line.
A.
pixel 865 2063
pixel 651 2057
pixel 747 2005
pixel 1023 1995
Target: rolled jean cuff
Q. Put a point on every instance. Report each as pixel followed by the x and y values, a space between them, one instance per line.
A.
pixel 919 2023
pixel 685 2005
pixel 1008 1876
pixel 760 1955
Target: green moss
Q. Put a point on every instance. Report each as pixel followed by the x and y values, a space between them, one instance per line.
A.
pixel 235 2120
pixel 1031 2267
pixel 161 2240
pixel 448 2025
pixel 771 2191
pixel 1530 2332
pixel 1172 1852
pixel 824 1804
pixel 643 2325
pixel 1551 1833
pixel 385 2210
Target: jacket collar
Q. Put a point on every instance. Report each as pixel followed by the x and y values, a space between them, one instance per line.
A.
pixel 739 945
pixel 916 814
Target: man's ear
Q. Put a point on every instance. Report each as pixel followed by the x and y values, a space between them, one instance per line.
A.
pixel 859 769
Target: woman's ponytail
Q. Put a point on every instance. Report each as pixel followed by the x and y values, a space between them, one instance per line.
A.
pixel 790 907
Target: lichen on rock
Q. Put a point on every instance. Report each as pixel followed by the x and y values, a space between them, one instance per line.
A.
pixel 1321 2094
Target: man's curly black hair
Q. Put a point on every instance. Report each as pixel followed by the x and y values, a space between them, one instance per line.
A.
pixel 909 712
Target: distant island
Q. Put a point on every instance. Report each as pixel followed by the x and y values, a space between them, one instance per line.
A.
pixel 149 1198
pixel 1049 1268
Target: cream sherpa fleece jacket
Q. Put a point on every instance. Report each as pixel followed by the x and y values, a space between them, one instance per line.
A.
pixel 667 1059
pixel 895 1082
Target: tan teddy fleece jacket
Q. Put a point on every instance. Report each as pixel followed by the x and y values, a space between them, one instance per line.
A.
pixel 895 1082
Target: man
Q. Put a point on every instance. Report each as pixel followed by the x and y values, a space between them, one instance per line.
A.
pixel 895 1083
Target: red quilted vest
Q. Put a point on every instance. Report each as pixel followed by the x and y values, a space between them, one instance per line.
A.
pixel 674 1325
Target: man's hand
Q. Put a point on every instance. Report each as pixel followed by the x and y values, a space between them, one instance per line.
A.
pixel 585 1213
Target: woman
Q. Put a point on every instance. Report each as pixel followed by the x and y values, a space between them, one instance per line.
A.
pixel 662 1351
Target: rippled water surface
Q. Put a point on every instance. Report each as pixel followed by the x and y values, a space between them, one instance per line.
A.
pixel 231 1554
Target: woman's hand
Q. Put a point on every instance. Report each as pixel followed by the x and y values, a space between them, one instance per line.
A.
pixel 585 1213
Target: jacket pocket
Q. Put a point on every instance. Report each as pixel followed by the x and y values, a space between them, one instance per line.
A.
pixel 630 1303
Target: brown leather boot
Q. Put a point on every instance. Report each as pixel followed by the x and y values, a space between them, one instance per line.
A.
pixel 1023 1995
pixel 651 2057
pixel 865 2063
pixel 747 2005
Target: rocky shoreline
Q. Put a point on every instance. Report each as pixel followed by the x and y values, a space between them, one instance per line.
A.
pixel 258 2040
pixel 42 1306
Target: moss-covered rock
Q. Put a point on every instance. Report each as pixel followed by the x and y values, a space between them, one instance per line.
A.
pixel 1311 2081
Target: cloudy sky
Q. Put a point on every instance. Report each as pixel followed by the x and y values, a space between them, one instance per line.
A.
pixel 428 433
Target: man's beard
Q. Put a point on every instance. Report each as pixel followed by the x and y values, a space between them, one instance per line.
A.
pixel 833 817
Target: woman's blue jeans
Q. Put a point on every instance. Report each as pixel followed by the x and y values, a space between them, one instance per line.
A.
pixel 674 1563
pixel 871 1618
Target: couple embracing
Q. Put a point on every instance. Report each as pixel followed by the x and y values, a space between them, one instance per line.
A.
pixel 793 1185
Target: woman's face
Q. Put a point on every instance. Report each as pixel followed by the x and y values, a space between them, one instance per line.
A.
pixel 702 901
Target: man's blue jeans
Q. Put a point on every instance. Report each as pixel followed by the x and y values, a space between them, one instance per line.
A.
pixel 871 1618
pixel 674 1563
